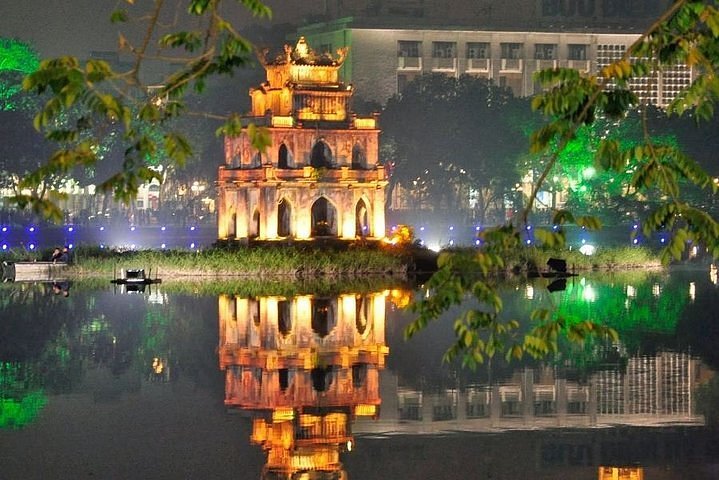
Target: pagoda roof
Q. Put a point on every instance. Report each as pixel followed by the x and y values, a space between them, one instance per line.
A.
pixel 303 55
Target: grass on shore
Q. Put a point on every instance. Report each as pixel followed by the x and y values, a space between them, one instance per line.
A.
pixel 241 261
pixel 309 260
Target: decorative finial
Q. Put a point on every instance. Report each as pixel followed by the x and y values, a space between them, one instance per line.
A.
pixel 302 50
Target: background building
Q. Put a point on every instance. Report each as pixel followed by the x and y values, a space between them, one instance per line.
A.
pixel 383 58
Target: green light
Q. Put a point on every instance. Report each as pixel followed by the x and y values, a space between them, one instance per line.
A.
pixel 17 56
pixel 17 59
pixel 20 403
pixel 16 414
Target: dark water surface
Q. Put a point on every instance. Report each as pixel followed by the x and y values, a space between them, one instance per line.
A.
pixel 180 383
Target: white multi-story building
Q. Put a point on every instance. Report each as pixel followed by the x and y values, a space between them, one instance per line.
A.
pixel 382 60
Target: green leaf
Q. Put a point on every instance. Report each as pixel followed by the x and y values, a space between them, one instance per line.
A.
pixel 118 16
pixel 561 217
pixel 550 238
pixel 258 8
pixel 260 137
pixel 177 148
pixel 589 222
pixel 198 7
pixel 190 41
pixel 231 128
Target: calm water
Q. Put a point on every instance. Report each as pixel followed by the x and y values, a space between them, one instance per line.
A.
pixel 180 383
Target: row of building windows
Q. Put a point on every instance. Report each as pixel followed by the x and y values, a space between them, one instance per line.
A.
pixel 481 50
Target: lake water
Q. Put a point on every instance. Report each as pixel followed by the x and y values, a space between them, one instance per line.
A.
pixel 225 381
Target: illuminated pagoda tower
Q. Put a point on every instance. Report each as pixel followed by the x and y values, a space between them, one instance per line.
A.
pixel 319 177
pixel 304 368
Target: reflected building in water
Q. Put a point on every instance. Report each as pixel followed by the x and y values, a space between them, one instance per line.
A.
pixel 304 367
pixel 310 372
pixel 650 390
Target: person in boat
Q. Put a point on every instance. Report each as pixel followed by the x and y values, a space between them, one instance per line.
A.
pixel 56 254
pixel 64 255
pixel 61 288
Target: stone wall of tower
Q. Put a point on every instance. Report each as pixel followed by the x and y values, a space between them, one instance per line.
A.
pixel 299 142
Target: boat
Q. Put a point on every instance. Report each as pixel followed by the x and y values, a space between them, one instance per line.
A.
pixel 33 271
pixel 557 269
pixel 134 276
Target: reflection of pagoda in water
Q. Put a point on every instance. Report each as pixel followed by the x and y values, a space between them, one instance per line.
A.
pixel 305 367
pixel 621 473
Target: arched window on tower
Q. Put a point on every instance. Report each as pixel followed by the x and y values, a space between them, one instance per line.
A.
pixel 362 227
pixel 359 159
pixel 255 225
pixel 324 218
pixel 321 156
pixel 283 157
pixel 284 216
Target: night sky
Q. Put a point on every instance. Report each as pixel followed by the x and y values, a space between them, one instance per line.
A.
pixel 77 27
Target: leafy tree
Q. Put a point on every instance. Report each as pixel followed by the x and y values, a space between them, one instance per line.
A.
pixel 604 194
pixel 463 132
pixel 119 101
pixel 687 33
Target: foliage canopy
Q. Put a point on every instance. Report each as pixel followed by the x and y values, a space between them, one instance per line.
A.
pixel 686 34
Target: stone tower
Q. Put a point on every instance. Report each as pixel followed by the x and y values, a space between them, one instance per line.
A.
pixel 319 177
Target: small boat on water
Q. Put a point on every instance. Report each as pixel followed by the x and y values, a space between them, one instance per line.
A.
pixel 134 276
pixel 557 269
pixel 33 271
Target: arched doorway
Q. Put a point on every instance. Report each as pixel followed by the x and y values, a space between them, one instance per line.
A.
pixel 321 155
pixel 232 228
pixel 323 317
pixel 284 215
pixel 362 227
pixel 283 157
pixel 362 305
pixel 321 378
pixel 359 159
pixel 324 218
pixel 284 319
pixel 255 225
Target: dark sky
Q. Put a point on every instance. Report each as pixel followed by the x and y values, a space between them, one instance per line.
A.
pixel 76 27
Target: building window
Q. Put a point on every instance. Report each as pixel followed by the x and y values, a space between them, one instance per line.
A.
pixel 409 49
pixel 511 50
pixel 444 50
pixel 577 52
pixel 545 51
pixel 478 50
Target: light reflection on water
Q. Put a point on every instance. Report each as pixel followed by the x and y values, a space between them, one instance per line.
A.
pixel 332 390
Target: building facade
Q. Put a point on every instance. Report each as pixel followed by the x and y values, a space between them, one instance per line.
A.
pixel 320 175
pixel 381 60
